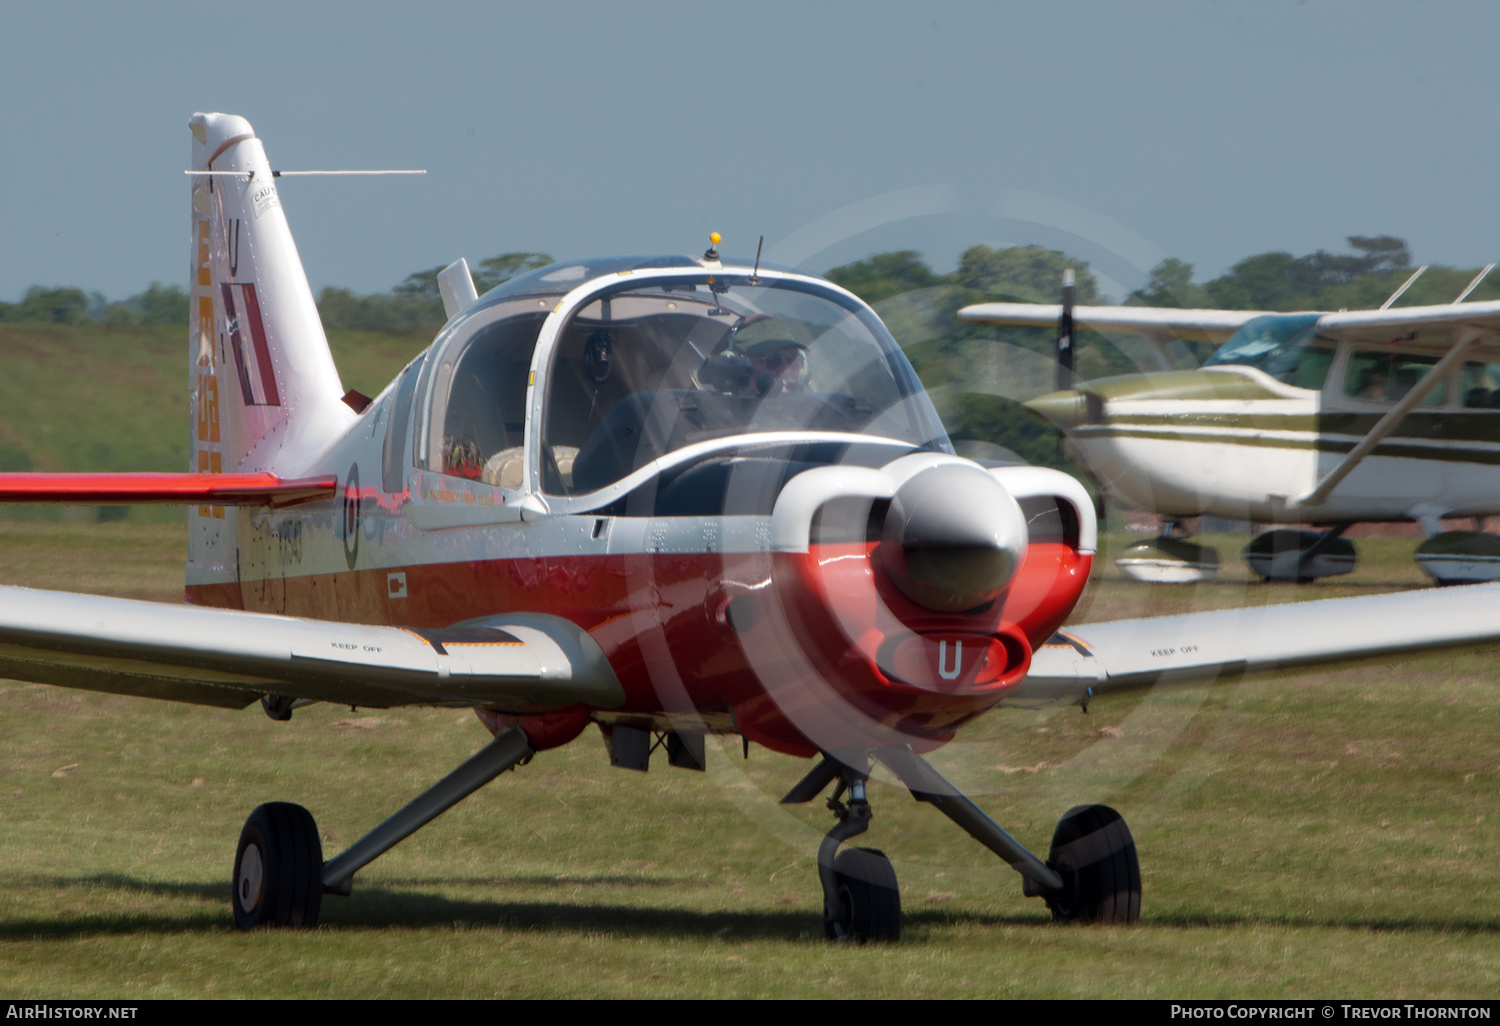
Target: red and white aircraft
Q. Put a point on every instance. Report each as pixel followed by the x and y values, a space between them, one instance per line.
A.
pixel 669 496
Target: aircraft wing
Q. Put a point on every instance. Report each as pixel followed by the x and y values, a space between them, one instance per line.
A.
pixel 1385 325
pixel 513 662
pixel 1101 657
pixel 1199 325
pixel 1218 325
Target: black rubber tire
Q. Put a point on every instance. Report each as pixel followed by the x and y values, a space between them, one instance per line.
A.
pixel 872 900
pixel 278 869
pixel 1093 852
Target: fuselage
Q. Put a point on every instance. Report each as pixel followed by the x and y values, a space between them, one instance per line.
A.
pixel 1245 435
pixel 693 465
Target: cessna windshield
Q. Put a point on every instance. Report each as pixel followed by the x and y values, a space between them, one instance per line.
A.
pixel 650 367
pixel 1285 346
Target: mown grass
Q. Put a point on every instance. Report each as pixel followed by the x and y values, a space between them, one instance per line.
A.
pixel 1320 834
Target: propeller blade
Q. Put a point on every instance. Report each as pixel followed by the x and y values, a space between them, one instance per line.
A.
pixel 1065 335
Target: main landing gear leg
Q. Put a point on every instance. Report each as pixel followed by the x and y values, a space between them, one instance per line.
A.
pixel 861 900
pixel 279 872
pixel 1091 873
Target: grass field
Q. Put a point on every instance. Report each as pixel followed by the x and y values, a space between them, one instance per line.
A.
pixel 1322 834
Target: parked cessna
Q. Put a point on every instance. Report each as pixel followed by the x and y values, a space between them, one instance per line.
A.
pixel 1323 418
pixel 664 496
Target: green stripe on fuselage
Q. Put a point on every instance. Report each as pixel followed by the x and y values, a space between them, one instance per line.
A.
pixel 1397 446
pixel 1449 426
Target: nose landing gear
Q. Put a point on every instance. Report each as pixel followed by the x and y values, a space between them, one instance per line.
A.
pixel 861 900
pixel 1092 873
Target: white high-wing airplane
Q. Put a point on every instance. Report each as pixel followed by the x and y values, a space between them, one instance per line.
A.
pixel 664 497
pixel 1323 418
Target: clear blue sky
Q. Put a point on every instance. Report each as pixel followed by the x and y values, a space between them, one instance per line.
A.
pixel 1118 131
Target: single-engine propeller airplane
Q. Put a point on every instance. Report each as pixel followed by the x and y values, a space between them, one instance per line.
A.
pixel 1323 418
pixel 667 496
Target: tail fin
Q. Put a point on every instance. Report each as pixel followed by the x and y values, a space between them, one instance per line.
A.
pixel 265 392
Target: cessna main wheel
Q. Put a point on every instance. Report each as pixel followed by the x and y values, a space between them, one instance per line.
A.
pixel 278 868
pixel 1093 852
pixel 872 901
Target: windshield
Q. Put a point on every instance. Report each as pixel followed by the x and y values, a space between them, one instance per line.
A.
pixel 648 368
pixel 1285 346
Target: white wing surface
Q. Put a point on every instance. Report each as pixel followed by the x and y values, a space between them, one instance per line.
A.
pixel 1385 325
pixel 1218 325
pixel 514 662
pixel 1199 325
pixel 1124 654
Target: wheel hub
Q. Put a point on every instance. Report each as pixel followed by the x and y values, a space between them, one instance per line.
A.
pixel 252 877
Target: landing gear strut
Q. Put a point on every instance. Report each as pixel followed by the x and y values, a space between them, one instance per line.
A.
pixel 279 873
pixel 861 900
pixel 1091 874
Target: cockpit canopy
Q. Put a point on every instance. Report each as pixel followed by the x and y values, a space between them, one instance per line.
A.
pixel 656 362
pixel 1285 346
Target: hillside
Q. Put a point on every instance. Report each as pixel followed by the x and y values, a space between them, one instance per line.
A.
pixel 101 397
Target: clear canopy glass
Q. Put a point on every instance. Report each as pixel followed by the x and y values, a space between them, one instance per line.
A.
pixel 1285 346
pixel 651 367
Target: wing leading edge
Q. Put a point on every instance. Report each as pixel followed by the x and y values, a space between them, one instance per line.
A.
pixel 519 662
pixel 1219 325
pixel 1124 654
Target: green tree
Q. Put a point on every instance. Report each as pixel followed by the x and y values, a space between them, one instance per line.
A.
pixel 884 275
pixel 163 304
pixel 499 269
pixel 1171 284
pixel 1030 274
pixel 1267 281
pixel 53 306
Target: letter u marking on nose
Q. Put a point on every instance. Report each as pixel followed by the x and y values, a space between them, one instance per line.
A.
pixel 958 660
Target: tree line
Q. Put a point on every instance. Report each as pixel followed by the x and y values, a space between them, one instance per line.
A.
pixel 415 304
pixel 1267 281
pixel 972 370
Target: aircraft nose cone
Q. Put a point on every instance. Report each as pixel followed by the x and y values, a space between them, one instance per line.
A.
pixel 953 538
pixel 1066 410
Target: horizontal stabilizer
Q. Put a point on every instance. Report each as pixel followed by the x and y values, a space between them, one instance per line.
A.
pixel 261 489
pixel 1125 654
pixel 514 662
